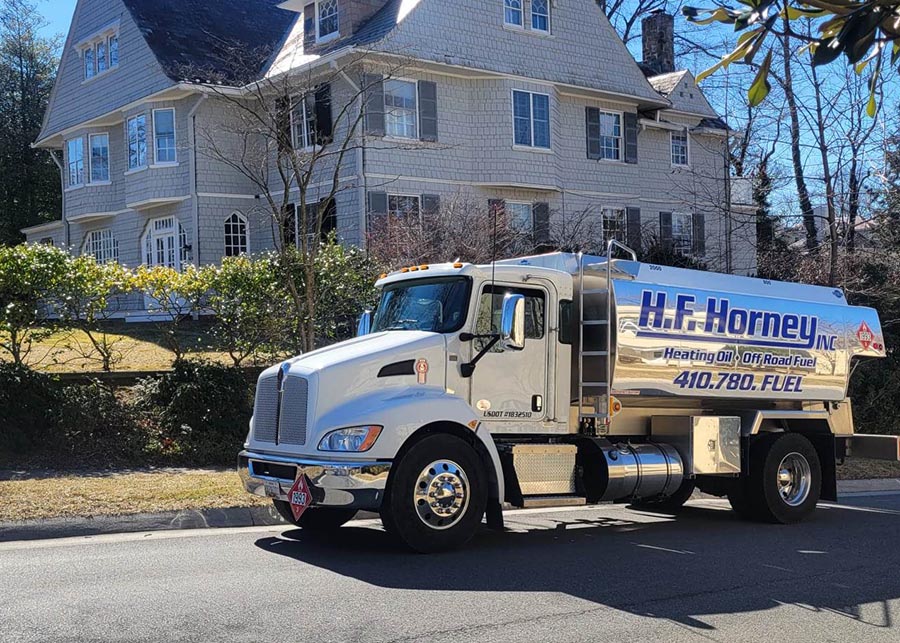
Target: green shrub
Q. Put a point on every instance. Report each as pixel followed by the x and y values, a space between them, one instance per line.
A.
pixel 28 421
pixel 99 428
pixel 201 412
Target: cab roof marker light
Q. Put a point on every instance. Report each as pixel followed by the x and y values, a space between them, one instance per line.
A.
pixel 457 265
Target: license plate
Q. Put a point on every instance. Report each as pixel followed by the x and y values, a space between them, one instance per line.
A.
pixel 273 489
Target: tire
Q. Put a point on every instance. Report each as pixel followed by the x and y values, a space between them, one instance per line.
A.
pixel 670 504
pixel 438 464
pixel 316 519
pixel 739 500
pixel 785 479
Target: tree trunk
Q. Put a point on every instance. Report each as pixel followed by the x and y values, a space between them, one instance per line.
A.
pixel 828 180
pixel 806 209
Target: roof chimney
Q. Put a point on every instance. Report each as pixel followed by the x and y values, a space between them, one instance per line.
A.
pixel 658 35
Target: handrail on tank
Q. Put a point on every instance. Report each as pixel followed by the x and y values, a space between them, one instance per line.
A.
pixel 610 246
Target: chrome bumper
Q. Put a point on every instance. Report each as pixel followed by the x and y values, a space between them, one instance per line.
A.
pixel 332 483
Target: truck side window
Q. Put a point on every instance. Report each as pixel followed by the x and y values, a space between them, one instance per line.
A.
pixel 489 311
pixel 565 321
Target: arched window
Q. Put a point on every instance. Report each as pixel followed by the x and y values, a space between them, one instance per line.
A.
pixel 102 244
pixel 236 242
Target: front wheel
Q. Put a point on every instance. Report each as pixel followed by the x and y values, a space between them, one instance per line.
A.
pixel 437 495
pixel 316 519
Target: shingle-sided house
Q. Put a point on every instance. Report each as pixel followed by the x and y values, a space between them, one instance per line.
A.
pixel 535 106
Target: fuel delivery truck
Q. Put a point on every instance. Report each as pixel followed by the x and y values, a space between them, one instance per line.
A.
pixel 564 379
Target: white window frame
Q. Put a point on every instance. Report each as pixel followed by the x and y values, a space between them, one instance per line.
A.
pixel 548 16
pixel 532 146
pixel 389 109
pixel 91 45
pixel 505 7
pixel 687 148
pixel 140 166
pixel 417 197
pixel 334 34
pixel 245 237
pixel 90 71
pixel 683 243
pixel 509 206
pixel 109 48
pixel 299 102
pixel 102 244
pixel 621 231
pixel 90 157
pixel 156 161
pixel 620 149
pixel 156 231
pixel 70 185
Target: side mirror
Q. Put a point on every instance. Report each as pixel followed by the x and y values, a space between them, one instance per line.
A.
pixel 364 327
pixel 512 322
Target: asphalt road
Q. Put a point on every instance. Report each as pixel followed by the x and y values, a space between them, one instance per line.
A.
pixel 597 574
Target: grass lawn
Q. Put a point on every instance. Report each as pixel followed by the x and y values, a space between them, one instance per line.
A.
pixel 140 347
pixel 861 469
pixel 122 493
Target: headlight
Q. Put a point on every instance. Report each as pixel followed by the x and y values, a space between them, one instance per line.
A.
pixel 354 438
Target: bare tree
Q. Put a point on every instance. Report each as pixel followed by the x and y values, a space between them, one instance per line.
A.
pixel 291 135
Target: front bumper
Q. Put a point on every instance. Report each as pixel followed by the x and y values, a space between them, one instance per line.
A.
pixel 349 484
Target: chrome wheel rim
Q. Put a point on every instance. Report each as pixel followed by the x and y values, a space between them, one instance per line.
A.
pixel 441 495
pixel 794 479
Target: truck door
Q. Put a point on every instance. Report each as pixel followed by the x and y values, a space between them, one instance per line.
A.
pixel 509 388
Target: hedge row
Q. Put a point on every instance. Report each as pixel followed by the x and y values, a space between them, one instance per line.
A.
pixel 196 415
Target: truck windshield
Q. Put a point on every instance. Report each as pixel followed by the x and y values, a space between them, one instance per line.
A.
pixel 438 305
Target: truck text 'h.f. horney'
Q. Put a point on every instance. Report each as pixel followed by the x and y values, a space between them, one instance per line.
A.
pixel 564 379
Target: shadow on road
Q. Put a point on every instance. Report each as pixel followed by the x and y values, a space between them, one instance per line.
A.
pixel 705 562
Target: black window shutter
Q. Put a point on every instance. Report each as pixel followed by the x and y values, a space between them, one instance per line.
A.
pixel 631 134
pixel 633 228
pixel 428 116
pixel 698 238
pixel 592 120
pixel 431 206
pixel 324 127
pixel 373 91
pixel 665 229
pixel 309 26
pixel 283 124
pixel 540 213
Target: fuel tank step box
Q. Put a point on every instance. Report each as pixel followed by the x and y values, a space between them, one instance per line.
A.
pixel 707 444
pixel 537 470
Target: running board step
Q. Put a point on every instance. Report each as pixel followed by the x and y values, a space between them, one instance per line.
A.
pixel 533 502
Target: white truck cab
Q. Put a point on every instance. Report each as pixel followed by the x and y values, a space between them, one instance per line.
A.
pixel 564 379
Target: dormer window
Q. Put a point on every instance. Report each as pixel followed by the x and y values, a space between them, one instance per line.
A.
pixel 100 52
pixel 326 19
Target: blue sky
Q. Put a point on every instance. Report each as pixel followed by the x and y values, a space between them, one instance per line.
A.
pixel 58 14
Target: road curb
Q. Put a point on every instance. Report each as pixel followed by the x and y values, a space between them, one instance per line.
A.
pixel 253 517
pixel 92 526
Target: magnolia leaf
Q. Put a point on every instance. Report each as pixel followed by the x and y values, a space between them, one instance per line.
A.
pixel 760 87
pixel 793 13
pixel 871 106
pixel 826 51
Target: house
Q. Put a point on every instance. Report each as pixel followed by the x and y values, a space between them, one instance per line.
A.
pixel 532 106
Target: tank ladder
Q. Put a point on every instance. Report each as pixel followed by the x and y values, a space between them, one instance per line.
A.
pixel 597 419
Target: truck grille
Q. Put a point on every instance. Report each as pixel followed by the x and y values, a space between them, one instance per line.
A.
pixel 281 417
pixel 265 410
pixel 292 423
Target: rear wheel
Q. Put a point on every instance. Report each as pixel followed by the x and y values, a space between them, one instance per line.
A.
pixel 785 480
pixel 316 519
pixel 437 496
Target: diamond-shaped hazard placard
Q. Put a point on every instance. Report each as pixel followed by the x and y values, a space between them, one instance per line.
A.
pixel 865 335
pixel 299 497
